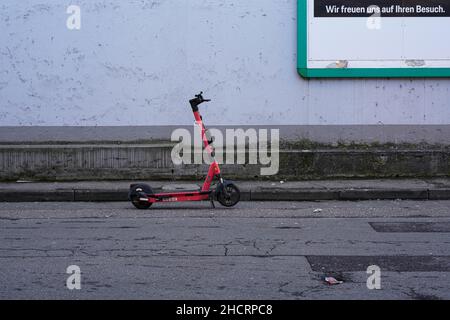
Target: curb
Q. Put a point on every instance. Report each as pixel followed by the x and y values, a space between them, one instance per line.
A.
pixel 37 196
pixel 393 194
pixel 293 195
pixel 103 195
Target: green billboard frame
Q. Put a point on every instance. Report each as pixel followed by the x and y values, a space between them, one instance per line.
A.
pixel 304 71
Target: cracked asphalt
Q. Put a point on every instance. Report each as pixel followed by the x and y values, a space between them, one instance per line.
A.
pixel 270 250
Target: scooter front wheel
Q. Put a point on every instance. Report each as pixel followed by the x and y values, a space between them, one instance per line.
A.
pixel 229 196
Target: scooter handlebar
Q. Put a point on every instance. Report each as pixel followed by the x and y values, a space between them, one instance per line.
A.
pixel 198 101
pixel 200 96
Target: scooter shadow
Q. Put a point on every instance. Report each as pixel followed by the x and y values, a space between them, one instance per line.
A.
pixel 183 208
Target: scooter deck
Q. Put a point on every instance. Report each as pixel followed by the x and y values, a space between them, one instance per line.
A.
pixel 182 188
pixel 194 195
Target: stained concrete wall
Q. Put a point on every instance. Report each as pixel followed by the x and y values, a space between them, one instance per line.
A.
pixel 136 63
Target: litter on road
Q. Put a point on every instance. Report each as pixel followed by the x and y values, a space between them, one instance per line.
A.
pixel 333 281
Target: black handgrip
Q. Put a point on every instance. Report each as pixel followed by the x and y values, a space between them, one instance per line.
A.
pixel 198 101
pixel 200 95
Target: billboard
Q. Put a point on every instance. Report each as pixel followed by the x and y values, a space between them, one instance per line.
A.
pixel 373 38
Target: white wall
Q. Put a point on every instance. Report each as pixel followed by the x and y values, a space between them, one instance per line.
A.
pixel 137 62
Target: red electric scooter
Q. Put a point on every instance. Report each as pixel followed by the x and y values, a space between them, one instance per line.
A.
pixel 226 192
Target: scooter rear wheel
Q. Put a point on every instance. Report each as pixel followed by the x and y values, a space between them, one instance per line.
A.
pixel 137 191
pixel 229 196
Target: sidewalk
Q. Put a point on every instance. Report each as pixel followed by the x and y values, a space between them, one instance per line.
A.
pixel 413 189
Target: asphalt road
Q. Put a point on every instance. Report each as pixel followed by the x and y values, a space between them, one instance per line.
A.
pixel 270 250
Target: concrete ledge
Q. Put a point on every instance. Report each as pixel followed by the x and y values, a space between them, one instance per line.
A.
pixel 323 134
pixel 152 161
